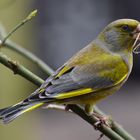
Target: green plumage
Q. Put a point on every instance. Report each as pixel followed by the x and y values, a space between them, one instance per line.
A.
pixel 96 71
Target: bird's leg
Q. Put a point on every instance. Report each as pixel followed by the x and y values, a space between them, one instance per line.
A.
pixel 101 119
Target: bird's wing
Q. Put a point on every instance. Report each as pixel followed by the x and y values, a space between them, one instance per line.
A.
pixel 77 78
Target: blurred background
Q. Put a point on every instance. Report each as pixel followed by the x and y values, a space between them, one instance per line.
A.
pixel 59 30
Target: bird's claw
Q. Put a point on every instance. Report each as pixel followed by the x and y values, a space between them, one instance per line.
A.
pixel 102 120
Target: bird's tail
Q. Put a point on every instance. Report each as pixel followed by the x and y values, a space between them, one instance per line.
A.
pixel 10 113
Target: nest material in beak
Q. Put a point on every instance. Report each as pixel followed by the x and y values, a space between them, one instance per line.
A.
pixel 136 36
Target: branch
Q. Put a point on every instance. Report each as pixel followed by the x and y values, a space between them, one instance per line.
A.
pixel 28 18
pixel 115 126
pixel 91 120
pixel 22 51
pixel 19 69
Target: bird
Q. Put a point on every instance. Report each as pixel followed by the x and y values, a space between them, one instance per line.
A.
pixel 92 74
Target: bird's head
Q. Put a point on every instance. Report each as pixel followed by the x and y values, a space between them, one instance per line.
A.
pixel 122 34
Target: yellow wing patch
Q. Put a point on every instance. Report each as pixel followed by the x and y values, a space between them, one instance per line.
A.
pixel 80 92
pixel 32 107
pixel 121 80
pixel 61 72
pixel 73 93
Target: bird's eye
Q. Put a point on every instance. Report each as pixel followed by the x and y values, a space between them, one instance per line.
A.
pixel 125 28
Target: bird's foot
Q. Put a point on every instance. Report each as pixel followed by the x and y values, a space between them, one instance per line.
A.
pixel 101 120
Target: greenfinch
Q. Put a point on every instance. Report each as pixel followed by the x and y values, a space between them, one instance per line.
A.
pixel 95 72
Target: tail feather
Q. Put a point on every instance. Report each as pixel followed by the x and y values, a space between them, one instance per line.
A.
pixel 10 113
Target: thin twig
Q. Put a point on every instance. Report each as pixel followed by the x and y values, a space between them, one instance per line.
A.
pixel 19 69
pixel 20 50
pixel 56 107
pixel 28 18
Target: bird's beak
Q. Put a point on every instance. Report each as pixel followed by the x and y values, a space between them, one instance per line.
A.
pixel 136 32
